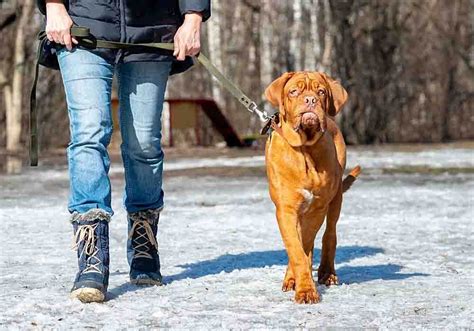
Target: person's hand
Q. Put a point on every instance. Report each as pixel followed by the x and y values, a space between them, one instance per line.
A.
pixel 58 24
pixel 187 40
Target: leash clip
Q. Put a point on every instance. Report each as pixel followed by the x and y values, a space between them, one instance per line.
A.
pixel 262 115
pixel 252 107
pixel 272 120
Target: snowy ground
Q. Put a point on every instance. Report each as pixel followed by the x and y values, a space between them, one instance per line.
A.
pixel 405 254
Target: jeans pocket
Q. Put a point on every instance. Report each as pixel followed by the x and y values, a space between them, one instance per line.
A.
pixel 62 51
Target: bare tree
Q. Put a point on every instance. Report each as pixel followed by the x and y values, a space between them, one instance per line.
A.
pixel 13 92
pixel 407 65
pixel 402 63
pixel 215 50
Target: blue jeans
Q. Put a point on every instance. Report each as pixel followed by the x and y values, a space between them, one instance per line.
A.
pixel 87 81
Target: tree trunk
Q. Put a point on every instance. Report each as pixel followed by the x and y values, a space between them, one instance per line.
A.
pixel 296 46
pixel 313 45
pixel 328 44
pixel 266 46
pixel 13 95
pixel 215 49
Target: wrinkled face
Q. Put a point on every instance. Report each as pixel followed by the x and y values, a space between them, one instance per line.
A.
pixel 306 101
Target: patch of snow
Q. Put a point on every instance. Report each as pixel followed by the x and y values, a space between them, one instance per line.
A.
pixel 404 259
pixel 436 158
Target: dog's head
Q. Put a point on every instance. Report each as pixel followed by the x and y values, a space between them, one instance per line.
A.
pixel 304 100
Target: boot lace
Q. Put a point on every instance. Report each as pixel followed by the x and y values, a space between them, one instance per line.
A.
pixel 144 237
pixel 86 233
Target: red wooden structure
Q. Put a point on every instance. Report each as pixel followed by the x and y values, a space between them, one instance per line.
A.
pixel 185 113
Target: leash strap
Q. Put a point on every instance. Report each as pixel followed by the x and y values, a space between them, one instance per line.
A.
pixel 87 40
pixel 33 148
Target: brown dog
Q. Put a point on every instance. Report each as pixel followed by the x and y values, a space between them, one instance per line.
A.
pixel 305 160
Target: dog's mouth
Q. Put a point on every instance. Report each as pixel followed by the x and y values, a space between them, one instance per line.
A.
pixel 313 121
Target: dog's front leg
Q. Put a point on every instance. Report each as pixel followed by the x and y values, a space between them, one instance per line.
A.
pixel 310 224
pixel 298 260
pixel 326 270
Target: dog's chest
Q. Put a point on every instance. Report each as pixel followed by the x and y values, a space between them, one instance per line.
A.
pixel 319 186
pixel 318 190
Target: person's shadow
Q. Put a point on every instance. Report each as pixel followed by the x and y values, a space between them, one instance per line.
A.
pixel 260 259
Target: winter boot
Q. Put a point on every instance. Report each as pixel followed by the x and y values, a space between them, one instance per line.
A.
pixel 142 248
pixel 91 239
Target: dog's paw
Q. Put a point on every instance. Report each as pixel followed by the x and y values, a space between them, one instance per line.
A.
pixel 288 284
pixel 308 296
pixel 328 279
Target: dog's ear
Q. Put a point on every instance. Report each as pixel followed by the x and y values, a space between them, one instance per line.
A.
pixel 274 92
pixel 337 96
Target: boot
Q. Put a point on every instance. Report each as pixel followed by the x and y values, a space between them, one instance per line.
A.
pixel 142 248
pixel 91 239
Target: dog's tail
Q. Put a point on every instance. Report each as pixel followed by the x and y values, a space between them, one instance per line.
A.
pixel 347 182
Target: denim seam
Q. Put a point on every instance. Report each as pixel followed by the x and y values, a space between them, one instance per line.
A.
pixel 124 157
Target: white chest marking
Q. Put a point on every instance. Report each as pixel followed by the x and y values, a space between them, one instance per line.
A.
pixel 308 199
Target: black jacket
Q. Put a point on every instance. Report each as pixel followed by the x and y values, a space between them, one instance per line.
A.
pixel 134 21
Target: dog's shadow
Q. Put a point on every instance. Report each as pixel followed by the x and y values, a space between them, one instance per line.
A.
pixel 261 259
pixel 253 260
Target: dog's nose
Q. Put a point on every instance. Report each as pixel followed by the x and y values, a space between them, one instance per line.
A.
pixel 310 101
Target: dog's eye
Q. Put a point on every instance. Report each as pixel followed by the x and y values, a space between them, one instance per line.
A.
pixel 293 92
pixel 321 92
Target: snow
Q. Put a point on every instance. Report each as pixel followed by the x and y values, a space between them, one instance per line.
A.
pixel 404 258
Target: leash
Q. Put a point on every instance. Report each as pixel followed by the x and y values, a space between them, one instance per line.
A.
pixel 87 40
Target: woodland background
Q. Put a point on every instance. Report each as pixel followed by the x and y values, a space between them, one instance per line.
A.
pixel 408 66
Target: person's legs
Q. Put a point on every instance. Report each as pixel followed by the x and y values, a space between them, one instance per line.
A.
pixel 142 87
pixel 87 81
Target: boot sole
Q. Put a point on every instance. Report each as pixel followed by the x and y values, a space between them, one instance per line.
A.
pixel 146 282
pixel 87 295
